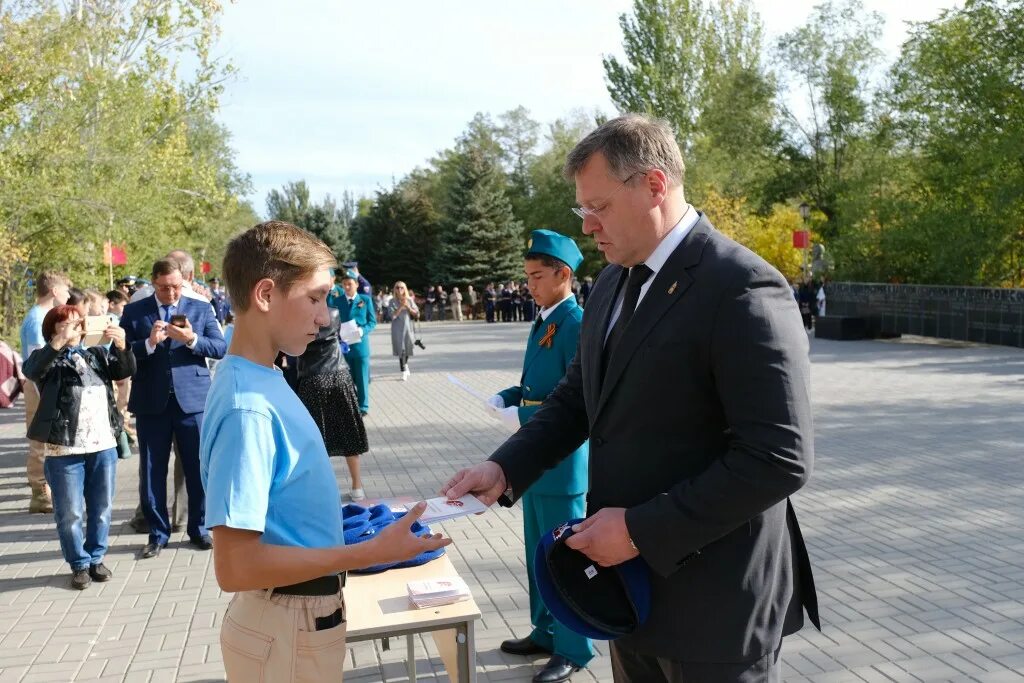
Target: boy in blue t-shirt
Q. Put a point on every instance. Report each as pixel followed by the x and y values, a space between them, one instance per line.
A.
pixel 272 501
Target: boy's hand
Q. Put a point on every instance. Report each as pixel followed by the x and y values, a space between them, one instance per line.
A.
pixel 397 543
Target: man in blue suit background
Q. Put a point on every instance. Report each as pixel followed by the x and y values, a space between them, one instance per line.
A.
pixel 358 307
pixel 171 336
pixel 560 494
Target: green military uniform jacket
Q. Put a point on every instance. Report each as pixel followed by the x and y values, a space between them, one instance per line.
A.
pixel 362 312
pixel 543 368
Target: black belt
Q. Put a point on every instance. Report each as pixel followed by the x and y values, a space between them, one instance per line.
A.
pixel 323 585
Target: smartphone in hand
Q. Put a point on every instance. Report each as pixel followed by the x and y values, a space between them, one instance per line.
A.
pixel 179 320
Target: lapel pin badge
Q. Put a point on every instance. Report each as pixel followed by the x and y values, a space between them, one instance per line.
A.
pixel 673 287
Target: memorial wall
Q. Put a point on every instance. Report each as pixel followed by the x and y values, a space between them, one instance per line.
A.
pixel 976 314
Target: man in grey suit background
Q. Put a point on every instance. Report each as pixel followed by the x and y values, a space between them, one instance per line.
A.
pixel 691 380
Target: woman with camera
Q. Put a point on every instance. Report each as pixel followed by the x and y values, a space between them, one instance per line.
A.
pixel 403 311
pixel 79 425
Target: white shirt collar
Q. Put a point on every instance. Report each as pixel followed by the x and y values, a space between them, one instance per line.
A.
pixel 669 242
pixel 545 312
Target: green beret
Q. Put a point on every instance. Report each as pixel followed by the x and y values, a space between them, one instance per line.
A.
pixel 551 243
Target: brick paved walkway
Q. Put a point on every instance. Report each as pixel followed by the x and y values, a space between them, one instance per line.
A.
pixel 914 519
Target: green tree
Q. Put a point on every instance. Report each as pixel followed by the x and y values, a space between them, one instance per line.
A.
pixel 101 139
pixel 480 240
pixel 553 196
pixel 325 220
pixel 829 59
pixel 958 101
pixel 699 65
pixel 518 136
pixel 664 66
pixel 397 237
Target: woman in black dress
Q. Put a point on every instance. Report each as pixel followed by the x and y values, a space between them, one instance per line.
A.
pixel 325 387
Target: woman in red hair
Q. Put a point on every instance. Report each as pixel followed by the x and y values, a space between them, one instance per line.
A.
pixel 79 425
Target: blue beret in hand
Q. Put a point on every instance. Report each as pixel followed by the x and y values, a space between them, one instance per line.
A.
pixel 603 603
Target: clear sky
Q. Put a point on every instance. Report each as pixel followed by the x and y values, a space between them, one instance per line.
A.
pixel 349 95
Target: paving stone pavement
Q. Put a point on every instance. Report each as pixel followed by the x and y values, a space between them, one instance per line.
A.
pixel 914 519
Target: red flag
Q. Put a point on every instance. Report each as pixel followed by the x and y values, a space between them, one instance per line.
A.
pixel 801 239
pixel 204 268
pixel 112 255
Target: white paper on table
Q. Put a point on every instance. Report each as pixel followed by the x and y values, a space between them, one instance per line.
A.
pixel 350 332
pixel 442 509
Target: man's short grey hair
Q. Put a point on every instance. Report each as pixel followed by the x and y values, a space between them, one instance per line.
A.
pixel 632 143
pixel 188 266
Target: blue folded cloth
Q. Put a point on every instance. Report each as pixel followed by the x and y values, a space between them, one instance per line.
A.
pixel 355 523
pixel 381 515
pixel 416 528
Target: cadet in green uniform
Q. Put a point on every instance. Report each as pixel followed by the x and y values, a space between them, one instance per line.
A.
pixel 560 494
pixel 358 307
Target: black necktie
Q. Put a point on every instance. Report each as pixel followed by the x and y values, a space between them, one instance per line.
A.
pixel 637 277
pixel 537 325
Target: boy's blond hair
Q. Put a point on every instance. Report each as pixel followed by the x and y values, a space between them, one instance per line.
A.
pixel 276 250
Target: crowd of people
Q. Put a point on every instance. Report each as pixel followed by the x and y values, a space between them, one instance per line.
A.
pixel 502 302
pixel 106 375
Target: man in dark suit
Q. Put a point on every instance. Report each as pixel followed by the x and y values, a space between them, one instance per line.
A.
pixel 171 336
pixel 692 382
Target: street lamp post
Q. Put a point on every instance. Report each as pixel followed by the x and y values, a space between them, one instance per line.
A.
pixel 805 214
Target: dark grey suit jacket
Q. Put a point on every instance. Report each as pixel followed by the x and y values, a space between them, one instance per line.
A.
pixel 701 428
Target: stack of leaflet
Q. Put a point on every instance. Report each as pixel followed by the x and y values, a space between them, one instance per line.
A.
pixel 437 592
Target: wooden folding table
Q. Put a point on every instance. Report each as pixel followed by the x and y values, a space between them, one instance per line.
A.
pixel 377 607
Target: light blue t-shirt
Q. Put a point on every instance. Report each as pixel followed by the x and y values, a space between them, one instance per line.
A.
pixel 32 330
pixel 263 461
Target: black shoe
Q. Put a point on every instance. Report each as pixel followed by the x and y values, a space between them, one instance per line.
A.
pixel 523 646
pixel 204 542
pixel 557 669
pixel 152 550
pixel 100 573
pixel 80 579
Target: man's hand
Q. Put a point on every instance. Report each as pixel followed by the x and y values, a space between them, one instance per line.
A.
pixel 486 481
pixel 158 334
pixel 396 542
pixel 115 334
pixel 509 417
pixel 181 334
pixel 604 538
pixel 495 403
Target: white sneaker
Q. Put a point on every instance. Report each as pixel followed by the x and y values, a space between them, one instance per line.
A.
pixel 357 494
pixel 405 375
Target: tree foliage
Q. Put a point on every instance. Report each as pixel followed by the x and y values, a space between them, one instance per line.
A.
pixel 325 219
pixel 480 239
pixel 100 138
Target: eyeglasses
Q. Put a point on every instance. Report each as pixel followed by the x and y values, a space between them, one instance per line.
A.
pixel 168 288
pixel 583 212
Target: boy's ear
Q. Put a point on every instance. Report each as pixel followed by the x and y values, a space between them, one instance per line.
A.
pixel 262 293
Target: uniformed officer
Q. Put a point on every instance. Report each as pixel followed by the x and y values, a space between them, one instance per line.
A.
pixel 353 305
pixel 560 494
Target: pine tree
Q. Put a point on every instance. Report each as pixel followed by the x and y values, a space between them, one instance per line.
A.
pixel 480 239
pixel 396 238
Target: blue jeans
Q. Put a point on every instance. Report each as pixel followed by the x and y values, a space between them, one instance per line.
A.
pixel 82 486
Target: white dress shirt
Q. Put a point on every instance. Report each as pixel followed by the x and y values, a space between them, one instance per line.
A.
pixel 656 261
pixel 545 312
